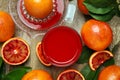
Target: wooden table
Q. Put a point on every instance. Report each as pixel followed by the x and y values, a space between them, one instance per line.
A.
pixel 77 23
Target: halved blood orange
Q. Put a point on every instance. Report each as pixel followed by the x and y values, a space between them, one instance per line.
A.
pixel 15 51
pixel 41 56
pixel 99 57
pixel 70 74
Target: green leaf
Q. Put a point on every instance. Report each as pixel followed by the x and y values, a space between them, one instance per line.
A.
pixel 86 53
pixel 109 62
pixel 1 61
pixel 101 3
pixel 97 74
pixel 17 73
pixel 88 73
pixel 96 10
pixel 104 17
pixel 2 71
pixel 118 10
pixel 102 10
pixel 23 67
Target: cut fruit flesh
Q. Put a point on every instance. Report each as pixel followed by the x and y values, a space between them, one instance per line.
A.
pixel 70 74
pixel 40 55
pixel 98 58
pixel 15 51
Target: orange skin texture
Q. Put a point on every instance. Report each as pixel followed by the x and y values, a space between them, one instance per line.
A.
pixel 37 75
pixel 110 73
pixel 7 27
pixel 39 8
pixel 82 7
pixel 97 35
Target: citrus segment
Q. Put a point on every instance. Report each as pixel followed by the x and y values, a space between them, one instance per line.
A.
pixel 7 27
pixel 39 8
pixel 110 73
pixel 15 51
pixel 41 56
pixel 70 74
pixel 37 75
pixel 97 35
pixel 99 57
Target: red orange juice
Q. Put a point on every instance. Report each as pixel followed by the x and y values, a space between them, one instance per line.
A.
pixel 62 46
pixel 54 18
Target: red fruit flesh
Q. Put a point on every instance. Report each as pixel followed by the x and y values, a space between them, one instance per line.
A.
pixel 15 52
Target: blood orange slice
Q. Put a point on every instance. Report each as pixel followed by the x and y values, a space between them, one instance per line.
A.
pixel 99 57
pixel 41 56
pixel 70 74
pixel 15 51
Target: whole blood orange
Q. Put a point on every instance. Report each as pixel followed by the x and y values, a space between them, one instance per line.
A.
pixel 40 55
pixel 110 73
pixel 97 35
pixel 82 7
pixel 70 74
pixel 37 75
pixel 7 27
pixel 99 57
pixel 15 51
pixel 39 8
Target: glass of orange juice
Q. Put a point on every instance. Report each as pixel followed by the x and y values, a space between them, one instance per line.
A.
pixel 61 46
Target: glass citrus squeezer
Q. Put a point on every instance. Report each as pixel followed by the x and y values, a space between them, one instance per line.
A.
pixel 37 26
